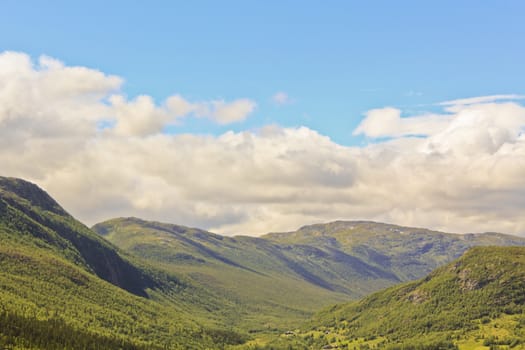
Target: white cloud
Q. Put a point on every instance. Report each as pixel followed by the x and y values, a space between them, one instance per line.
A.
pixel 387 122
pixel 227 113
pixel 281 98
pixel 481 99
pixel 464 173
pixel 139 117
pixel 178 106
pixel 52 99
pixel 480 129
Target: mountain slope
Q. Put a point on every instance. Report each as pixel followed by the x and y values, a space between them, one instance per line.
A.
pixel 409 253
pixel 271 286
pixel 284 277
pixel 27 209
pixel 63 286
pixel 475 301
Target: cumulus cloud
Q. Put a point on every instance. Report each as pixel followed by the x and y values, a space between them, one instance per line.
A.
pixel 464 172
pixel 480 129
pixel 139 117
pixel 387 122
pixel 178 106
pixel 49 98
pixel 236 111
pixel 40 100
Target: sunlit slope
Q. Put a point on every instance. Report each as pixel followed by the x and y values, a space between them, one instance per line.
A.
pixel 480 298
pixel 475 302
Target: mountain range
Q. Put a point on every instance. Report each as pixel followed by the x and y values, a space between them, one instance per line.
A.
pixel 327 263
pixel 136 284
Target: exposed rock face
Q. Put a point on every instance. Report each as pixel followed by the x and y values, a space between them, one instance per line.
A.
pixel 467 283
pixel 418 296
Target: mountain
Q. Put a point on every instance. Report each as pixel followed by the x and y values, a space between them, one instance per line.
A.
pixel 477 301
pixel 284 277
pixel 274 286
pixel 29 211
pixel 134 284
pixel 64 286
pixel 410 253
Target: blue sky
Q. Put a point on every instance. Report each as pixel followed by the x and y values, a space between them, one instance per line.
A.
pixel 245 117
pixel 334 59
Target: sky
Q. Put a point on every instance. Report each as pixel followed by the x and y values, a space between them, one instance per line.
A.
pixel 245 117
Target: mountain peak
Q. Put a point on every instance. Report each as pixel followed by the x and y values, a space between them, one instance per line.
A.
pixel 18 189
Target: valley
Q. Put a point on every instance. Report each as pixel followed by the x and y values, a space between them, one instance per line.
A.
pixel 129 283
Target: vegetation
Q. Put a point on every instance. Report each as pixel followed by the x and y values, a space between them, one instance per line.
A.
pixel 477 301
pixel 57 277
pixel 277 281
pixel 409 253
pixel 25 333
pixel 145 285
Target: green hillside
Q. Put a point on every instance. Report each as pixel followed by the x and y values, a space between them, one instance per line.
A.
pixel 273 286
pixel 281 278
pixel 475 302
pixel 410 253
pixel 63 286
pixel 29 211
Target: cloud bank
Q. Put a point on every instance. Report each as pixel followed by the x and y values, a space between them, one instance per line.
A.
pixel 71 130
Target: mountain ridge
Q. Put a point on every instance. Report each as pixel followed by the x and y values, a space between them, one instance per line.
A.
pixel 326 262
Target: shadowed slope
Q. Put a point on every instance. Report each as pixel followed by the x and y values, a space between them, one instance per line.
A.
pixel 27 209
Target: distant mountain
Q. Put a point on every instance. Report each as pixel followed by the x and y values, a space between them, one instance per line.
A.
pixel 477 300
pixel 408 252
pixel 284 277
pixel 63 286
